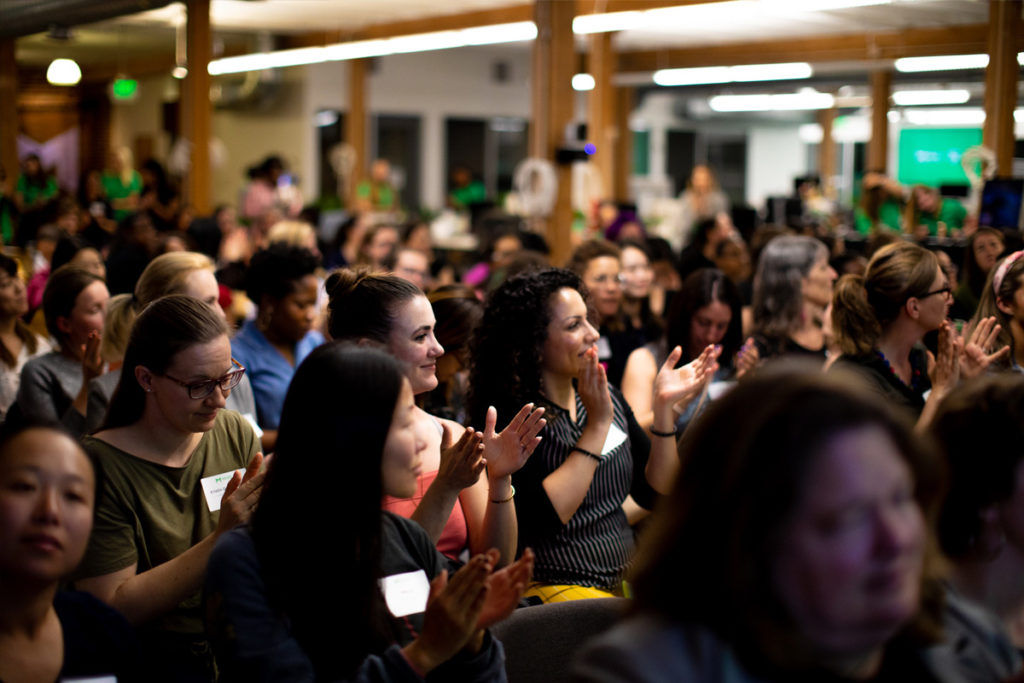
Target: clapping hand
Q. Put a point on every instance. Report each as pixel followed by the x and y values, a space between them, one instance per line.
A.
pixel 593 389
pixel 944 368
pixel 674 386
pixel 461 463
pixel 506 452
pixel 747 358
pixel 977 355
pixel 505 588
pixel 242 494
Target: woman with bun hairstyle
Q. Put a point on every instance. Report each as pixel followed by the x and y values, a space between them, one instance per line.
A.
pixel 458 508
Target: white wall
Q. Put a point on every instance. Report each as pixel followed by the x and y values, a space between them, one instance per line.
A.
pixel 775 155
pixel 432 85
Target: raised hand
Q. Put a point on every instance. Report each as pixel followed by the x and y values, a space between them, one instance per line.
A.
pixel 977 353
pixel 505 588
pixel 747 358
pixel 453 610
pixel 461 463
pixel 241 495
pixel 506 452
pixel 944 369
pixel 92 361
pixel 673 385
pixel 593 389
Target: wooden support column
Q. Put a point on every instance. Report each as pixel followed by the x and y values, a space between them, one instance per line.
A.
pixel 878 147
pixel 552 109
pixel 1004 27
pixel 602 123
pixel 827 152
pixel 355 123
pixel 623 144
pixel 9 111
pixel 198 112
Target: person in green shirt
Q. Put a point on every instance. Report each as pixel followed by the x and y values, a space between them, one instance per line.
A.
pixel 377 193
pixel 123 184
pixel 466 189
pixel 35 186
pixel 881 202
pixel 166 434
pixel 928 214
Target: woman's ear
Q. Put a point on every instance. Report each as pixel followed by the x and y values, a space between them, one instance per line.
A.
pixel 1005 308
pixel 63 324
pixel 912 307
pixel 144 377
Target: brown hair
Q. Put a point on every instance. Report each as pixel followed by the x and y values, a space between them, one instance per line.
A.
pixel 62 290
pixel 740 482
pixel 363 303
pixel 990 298
pixel 27 336
pixel 862 307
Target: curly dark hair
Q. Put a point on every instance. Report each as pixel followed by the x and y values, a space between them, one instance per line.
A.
pixel 275 270
pixel 505 354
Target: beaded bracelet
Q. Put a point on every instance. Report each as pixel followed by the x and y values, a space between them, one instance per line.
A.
pixel 655 432
pixel 590 454
pixel 510 497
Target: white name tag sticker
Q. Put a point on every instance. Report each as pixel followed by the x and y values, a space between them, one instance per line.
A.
pixel 91 679
pixel 615 438
pixel 214 487
pixel 406 593
pixel 604 348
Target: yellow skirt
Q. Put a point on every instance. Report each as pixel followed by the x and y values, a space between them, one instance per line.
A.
pixel 548 592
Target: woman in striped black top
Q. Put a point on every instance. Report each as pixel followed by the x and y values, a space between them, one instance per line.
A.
pixel 536 344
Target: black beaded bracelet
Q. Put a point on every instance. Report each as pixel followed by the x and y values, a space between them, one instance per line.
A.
pixel 591 454
pixel 655 432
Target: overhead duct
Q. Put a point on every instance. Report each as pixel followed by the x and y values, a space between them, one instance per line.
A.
pixel 26 17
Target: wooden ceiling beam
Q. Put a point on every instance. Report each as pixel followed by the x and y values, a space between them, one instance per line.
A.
pixel 914 42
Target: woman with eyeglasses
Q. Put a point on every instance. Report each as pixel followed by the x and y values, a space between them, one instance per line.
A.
pixel 599 265
pixel 879 320
pixel 169 460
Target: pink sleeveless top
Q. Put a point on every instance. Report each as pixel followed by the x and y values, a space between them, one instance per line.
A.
pixel 454 537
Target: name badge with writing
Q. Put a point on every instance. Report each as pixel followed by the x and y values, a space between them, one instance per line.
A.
pixel 615 438
pixel 214 487
pixel 406 593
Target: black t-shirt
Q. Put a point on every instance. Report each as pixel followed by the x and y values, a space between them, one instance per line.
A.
pixel 97 639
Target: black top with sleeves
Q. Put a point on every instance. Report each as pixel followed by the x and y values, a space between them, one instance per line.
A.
pixel 597 543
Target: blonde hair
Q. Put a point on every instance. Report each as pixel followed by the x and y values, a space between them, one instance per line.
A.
pixel 293 233
pixel 166 274
pixel 117 325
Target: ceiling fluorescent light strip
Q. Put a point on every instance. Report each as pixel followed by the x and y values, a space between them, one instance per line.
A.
pixel 787 102
pixel 964 116
pixel 705 12
pixel 911 98
pixel 941 63
pixel 733 74
pixel 421 42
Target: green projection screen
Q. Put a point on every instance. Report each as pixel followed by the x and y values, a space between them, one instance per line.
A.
pixel 931 156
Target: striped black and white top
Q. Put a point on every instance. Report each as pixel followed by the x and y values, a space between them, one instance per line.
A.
pixel 596 545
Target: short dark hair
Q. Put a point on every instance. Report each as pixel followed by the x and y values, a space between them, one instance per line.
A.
pixel 274 271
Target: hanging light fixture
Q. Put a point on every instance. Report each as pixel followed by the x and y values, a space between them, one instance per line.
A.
pixel 63 71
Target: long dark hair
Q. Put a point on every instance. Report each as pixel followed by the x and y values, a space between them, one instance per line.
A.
pixel 700 288
pixel 335 422
pixel 165 328
pixel 27 337
pixel 505 354
pixel 740 482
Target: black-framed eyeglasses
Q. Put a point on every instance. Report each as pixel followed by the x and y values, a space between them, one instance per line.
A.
pixel 198 390
pixel 945 291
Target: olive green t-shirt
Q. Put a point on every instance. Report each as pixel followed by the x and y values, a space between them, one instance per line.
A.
pixel 147 513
